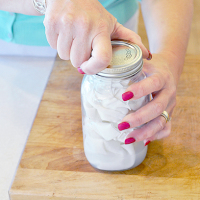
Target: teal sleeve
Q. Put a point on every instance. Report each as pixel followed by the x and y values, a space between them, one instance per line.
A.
pixel 33 30
pixel 6 21
pixel 123 10
pixel 22 29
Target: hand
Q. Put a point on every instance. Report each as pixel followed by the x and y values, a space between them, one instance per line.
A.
pixel 161 83
pixel 82 32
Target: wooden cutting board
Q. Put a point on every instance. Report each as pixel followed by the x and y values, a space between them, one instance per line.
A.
pixel 53 165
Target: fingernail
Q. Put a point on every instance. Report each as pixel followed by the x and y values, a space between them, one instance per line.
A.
pixel 147 143
pixel 80 70
pixel 123 125
pixel 129 140
pixel 127 95
pixel 150 55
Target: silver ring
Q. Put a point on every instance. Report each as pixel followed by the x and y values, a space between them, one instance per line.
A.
pixel 166 116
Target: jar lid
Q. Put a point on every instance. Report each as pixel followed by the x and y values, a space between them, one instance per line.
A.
pixel 126 60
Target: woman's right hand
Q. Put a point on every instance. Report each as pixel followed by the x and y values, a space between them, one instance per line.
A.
pixel 82 31
pixel 161 82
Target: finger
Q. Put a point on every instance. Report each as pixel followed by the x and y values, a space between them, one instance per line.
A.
pixel 148 130
pixel 144 87
pixel 50 24
pixel 123 33
pixel 80 51
pixel 64 45
pixel 160 134
pixel 148 112
pixel 51 36
pixel 101 55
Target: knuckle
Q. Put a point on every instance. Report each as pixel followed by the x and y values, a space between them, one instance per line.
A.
pixel 118 28
pixel 138 38
pixel 156 82
pixel 67 19
pixel 158 107
pixel 138 121
pixel 105 59
pixel 50 21
pixel 84 22
pixel 173 91
pixel 145 135
pixel 168 76
pixel 167 133
pixel 140 137
pixel 102 26
pixel 164 134
pixel 160 124
pixel 141 90
pixel 158 137
pixel 113 19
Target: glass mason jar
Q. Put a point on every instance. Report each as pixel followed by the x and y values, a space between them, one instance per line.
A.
pixel 103 109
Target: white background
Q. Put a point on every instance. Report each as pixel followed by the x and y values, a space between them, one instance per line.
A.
pixel 22 82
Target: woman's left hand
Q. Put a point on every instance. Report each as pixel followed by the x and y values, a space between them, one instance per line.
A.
pixel 161 83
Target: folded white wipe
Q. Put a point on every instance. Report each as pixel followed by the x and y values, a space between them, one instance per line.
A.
pixel 103 109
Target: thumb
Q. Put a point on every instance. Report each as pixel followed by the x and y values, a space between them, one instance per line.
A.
pixel 122 33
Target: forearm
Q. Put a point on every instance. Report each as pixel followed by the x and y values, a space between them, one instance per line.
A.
pixel 168 26
pixel 18 6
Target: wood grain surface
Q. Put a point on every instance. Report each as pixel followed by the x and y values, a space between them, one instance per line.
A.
pixel 53 165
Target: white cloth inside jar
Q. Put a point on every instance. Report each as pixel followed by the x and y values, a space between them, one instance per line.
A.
pixel 104 109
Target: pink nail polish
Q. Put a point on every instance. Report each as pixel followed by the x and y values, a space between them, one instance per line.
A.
pixel 150 55
pixel 129 140
pixel 147 143
pixel 80 70
pixel 123 125
pixel 127 95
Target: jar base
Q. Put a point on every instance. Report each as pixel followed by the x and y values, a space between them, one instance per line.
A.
pixel 120 163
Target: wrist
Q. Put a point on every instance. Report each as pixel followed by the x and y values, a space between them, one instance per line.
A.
pixel 175 63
